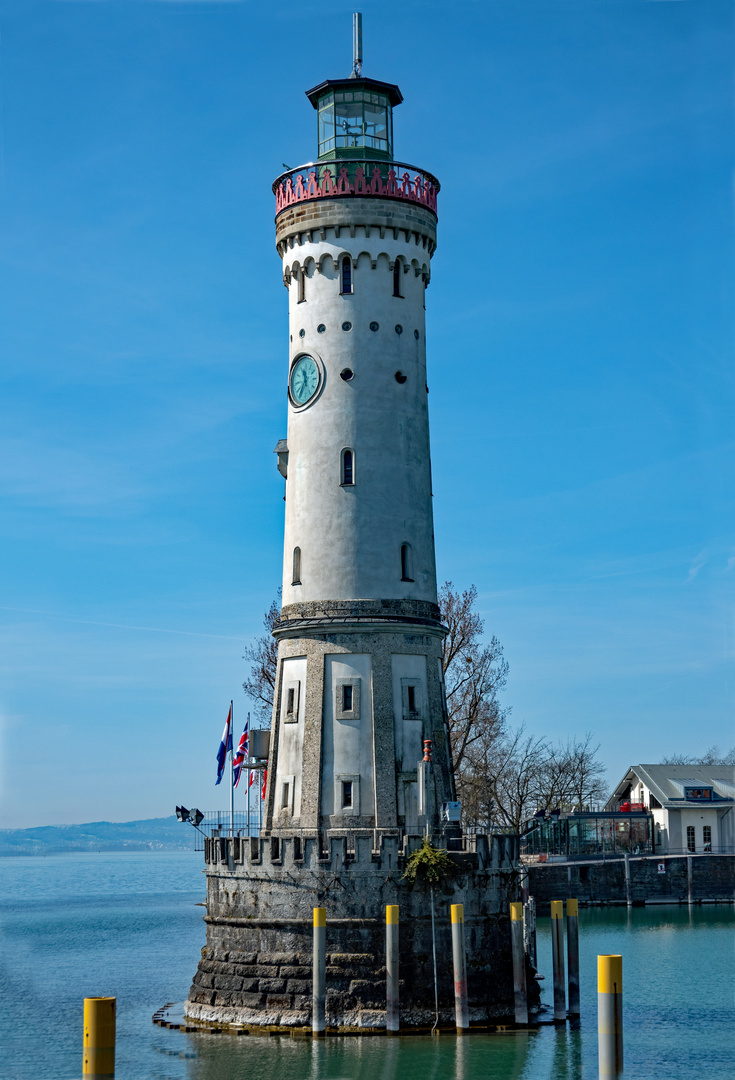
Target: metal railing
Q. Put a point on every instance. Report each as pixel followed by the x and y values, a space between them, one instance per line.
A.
pixel 359 177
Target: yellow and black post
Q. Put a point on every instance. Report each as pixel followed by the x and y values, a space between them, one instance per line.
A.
pixel 318 1010
pixel 99 1037
pixel 461 1010
pixel 573 957
pixel 557 953
pixel 520 1001
pixel 392 1005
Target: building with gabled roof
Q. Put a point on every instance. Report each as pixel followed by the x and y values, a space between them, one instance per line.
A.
pixel 692 805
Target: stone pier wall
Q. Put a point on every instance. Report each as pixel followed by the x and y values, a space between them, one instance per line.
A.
pixel 256 968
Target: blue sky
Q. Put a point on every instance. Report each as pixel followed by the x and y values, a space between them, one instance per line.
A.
pixel 580 331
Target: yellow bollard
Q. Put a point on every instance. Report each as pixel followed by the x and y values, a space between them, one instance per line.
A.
pixel 557 954
pixel 99 1037
pixel 392 1009
pixel 319 992
pixel 520 1001
pixel 459 955
pixel 610 1015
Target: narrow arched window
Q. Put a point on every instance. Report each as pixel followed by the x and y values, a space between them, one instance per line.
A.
pixel 406 563
pixel 397 278
pixel 302 285
pixel 296 576
pixel 347 470
pixel 346 276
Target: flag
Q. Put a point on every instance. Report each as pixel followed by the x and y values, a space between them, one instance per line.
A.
pixel 241 753
pixel 265 777
pixel 225 747
pixel 253 774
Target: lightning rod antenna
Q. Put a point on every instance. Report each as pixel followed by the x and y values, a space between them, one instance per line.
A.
pixel 356 45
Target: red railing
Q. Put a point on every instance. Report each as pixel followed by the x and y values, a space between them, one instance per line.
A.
pixel 376 179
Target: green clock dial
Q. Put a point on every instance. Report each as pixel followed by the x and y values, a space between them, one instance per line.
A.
pixel 304 380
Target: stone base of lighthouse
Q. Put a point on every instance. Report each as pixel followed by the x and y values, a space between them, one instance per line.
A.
pixel 256 968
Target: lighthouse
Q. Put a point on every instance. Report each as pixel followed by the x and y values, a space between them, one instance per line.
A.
pixel 360 770
pixel 359 687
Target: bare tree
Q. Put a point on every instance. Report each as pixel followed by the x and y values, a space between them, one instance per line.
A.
pixel 712 756
pixel 474 674
pixel 260 686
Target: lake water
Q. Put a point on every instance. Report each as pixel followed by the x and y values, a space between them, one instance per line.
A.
pixel 127 925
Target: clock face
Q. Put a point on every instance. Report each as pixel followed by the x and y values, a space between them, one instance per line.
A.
pixel 304 380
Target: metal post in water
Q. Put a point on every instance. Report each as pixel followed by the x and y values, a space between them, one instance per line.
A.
pixel 99 1037
pixel 610 1016
pixel 319 972
pixel 557 952
pixel 520 1001
pixel 628 898
pixel 392 1005
pixel 529 929
pixel 573 957
pixel 459 958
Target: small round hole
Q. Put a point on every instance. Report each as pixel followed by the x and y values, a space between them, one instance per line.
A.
pixel 302 333
pixel 374 326
pixel 400 377
pixel 416 334
pixel 346 374
pixel 321 328
pixel 346 325
pixel 399 328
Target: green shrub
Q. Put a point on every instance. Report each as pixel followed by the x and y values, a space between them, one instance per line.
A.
pixel 428 864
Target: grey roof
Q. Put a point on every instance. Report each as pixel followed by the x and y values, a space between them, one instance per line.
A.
pixel 667 782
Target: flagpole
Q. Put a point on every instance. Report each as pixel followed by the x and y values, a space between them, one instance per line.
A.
pixel 232 769
pixel 249 775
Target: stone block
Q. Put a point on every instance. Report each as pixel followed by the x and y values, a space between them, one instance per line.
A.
pixel 227 982
pixel 295 971
pixel 298 986
pixel 274 1001
pixel 272 986
pixel 278 958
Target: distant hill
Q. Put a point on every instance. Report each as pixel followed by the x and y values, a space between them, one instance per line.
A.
pixel 152 834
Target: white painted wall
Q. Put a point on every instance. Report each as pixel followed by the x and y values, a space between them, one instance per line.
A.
pixel 347 745
pixel 290 741
pixel 350 538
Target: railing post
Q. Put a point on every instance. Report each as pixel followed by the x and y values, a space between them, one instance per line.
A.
pixel 520 1002
pixel 610 1016
pixel 392 1007
pixel 557 952
pixel 319 972
pixel 573 957
pixel 99 1037
pixel 459 956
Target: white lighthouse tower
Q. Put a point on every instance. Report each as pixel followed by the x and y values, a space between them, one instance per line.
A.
pixel 359 685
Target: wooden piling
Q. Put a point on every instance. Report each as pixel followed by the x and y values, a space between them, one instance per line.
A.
pixel 573 957
pixel 557 951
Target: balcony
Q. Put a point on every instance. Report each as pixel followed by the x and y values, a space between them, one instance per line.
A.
pixel 356 178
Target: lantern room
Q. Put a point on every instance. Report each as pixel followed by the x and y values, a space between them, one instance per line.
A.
pixel 355 118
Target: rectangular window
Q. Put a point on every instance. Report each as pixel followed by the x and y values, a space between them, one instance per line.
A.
pixel 707 837
pixel 291 701
pixel 346 794
pixel 411 694
pixel 285 793
pixel 691 845
pixel 302 286
pixel 347 698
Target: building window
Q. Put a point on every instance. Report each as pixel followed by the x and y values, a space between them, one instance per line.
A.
pixel 411 698
pixel 347 794
pixel 296 576
pixel 346 276
pixel 406 563
pixel 397 278
pixel 291 702
pixel 691 846
pixel 707 837
pixel 347 697
pixel 653 802
pixel 302 285
pixel 347 478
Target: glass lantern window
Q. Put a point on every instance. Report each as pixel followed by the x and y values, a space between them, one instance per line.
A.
pixel 354 121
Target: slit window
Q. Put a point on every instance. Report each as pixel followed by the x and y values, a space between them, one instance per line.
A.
pixel 347 478
pixel 296 577
pixel 346 794
pixel 347 698
pixel 707 837
pixel 346 276
pixel 411 695
pixel 397 278
pixel 302 285
pixel 406 566
pixel 285 793
pixel 291 701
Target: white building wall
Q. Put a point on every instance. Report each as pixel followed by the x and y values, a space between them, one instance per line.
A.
pixel 350 537
pixel 290 741
pixel 347 742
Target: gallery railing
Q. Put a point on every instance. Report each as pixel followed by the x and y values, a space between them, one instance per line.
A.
pixel 375 179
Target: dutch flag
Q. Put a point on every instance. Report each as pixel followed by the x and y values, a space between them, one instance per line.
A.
pixel 225 747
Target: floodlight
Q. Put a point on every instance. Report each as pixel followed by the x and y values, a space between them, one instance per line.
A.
pixel 182 813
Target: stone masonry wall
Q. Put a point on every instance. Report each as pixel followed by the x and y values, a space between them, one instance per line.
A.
pixel 256 967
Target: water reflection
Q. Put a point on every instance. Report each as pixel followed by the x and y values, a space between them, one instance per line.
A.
pixel 474 1057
